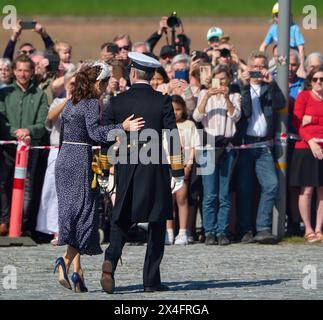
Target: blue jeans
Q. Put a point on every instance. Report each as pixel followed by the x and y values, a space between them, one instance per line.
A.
pixel 261 162
pixel 216 193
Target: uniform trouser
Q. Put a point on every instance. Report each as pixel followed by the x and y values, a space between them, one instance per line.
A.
pixel 154 251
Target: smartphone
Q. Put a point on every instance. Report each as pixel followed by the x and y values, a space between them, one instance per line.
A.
pixel 205 73
pixel 197 55
pixel 216 83
pixel 255 74
pixel 113 48
pixel 28 24
pixel 182 75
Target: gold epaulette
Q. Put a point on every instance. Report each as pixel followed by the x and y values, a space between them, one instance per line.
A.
pixel 104 162
pixel 176 162
pixel 99 163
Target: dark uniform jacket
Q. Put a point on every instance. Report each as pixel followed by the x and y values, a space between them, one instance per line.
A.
pixel 271 99
pixel 143 190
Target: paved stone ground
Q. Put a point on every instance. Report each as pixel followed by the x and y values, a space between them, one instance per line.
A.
pixel 193 272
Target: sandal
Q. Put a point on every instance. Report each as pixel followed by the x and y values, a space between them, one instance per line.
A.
pixel 311 237
pixel 319 235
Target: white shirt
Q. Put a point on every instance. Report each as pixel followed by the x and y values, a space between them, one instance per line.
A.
pixel 257 126
pixel 54 127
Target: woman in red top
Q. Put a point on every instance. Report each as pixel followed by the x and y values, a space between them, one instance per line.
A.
pixel 307 161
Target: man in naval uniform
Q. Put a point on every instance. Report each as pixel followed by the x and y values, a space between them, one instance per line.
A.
pixel 143 190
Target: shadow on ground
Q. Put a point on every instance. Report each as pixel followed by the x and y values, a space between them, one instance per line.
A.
pixel 202 285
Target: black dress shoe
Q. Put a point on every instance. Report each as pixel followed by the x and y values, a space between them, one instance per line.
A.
pixel 160 287
pixel 107 278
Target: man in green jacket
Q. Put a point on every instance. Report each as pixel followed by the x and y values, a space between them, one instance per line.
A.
pixel 25 107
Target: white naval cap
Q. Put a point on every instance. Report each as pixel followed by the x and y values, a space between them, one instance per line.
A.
pixel 143 62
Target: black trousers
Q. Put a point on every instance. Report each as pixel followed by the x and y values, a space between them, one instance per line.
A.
pixel 154 251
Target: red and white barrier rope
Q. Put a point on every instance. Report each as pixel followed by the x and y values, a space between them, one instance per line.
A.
pixel 282 138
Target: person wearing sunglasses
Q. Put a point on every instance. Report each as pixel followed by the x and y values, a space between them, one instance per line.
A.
pixel 307 160
pixel 297 41
pixel 26 48
pixel 124 44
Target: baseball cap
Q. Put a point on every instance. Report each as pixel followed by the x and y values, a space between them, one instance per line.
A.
pixel 275 8
pixel 214 32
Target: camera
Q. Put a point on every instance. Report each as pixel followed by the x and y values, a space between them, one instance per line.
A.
pixel 255 74
pixel 173 21
pixel 53 59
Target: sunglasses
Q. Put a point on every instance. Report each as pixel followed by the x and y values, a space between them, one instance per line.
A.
pixel 127 48
pixel 314 79
pixel 26 51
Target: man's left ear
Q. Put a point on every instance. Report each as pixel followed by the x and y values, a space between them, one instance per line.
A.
pixel 133 73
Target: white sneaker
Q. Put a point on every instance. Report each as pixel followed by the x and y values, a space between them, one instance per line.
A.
pixel 181 238
pixel 169 238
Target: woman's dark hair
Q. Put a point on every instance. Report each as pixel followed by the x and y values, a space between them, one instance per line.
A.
pixel 308 82
pixel 195 73
pixel 84 84
pixel 163 73
pixel 180 101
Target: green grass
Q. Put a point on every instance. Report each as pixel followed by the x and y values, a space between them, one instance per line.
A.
pixel 200 8
pixel 299 240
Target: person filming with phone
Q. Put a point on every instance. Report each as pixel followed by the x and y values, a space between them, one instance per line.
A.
pixel 218 109
pixel 26 48
pixel 261 96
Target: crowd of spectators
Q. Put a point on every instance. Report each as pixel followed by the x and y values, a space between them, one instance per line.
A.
pixel 233 100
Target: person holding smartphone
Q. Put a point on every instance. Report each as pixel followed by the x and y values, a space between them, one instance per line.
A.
pixel 218 109
pixel 26 48
pixel 179 82
pixel 261 96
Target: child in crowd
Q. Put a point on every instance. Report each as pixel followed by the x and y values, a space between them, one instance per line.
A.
pixel 189 139
pixel 64 51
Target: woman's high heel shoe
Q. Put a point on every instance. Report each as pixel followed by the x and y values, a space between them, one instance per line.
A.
pixel 78 282
pixel 63 281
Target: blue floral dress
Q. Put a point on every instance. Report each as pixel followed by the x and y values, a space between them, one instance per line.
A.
pixel 77 203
